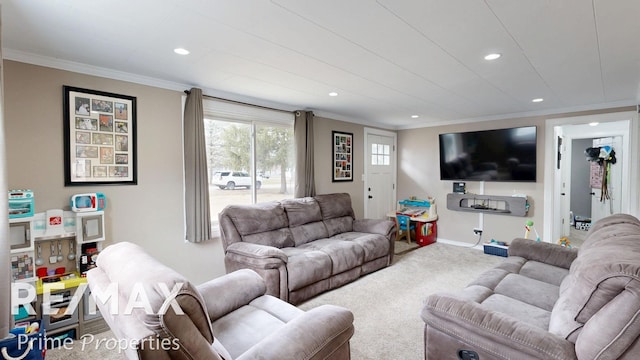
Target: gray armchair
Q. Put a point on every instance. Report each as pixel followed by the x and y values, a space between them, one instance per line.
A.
pixel 227 318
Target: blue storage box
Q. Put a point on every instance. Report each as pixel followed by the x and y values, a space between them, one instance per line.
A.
pixel 495 249
pixel 24 346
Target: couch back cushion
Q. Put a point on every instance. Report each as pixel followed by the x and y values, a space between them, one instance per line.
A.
pixel 603 283
pixel 262 223
pixel 337 212
pixel 305 220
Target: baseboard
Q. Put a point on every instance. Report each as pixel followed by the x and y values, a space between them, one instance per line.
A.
pixel 461 244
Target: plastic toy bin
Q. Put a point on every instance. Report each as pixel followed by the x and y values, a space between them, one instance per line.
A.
pixel 25 346
pixel 495 249
pixel 426 233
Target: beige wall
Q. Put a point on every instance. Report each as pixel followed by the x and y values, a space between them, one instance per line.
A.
pixel 419 175
pixel 150 213
pixel 322 129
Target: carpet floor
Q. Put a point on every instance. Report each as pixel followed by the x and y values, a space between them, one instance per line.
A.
pixel 386 304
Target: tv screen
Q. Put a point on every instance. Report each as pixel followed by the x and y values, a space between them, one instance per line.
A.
pixel 489 155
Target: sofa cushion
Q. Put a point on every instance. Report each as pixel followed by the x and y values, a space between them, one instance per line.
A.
pixel 520 310
pixel 264 223
pixel 375 245
pixel 530 291
pixel 345 255
pixel 544 272
pixel 305 220
pixel 337 212
pixel 306 266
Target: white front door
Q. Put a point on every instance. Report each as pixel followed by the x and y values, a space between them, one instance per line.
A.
pixel 380 170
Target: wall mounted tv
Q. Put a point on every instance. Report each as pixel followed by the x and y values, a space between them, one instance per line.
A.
pixel 489 155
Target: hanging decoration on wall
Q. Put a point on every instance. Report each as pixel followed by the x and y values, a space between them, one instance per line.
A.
pixel 99 138
pixel 601 159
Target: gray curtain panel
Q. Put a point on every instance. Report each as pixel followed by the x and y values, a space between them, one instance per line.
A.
pixel 303 134
pixel 196 180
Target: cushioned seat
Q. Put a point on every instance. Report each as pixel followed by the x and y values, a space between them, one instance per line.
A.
pixel 226 318
pixel 547 302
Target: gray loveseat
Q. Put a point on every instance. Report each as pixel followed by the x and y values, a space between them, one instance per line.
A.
pixel 304 246
pixel 547 302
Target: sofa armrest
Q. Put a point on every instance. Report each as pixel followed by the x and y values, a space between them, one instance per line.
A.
pixel 257 256
pixel 490 331
pixel 316 334
pixel 229 292
pixel 547 253
pixel 375 226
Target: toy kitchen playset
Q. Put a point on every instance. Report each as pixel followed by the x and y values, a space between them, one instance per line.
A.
pixel 56 247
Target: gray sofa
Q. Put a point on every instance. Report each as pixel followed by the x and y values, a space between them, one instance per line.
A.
pixel 157 314
pixel 547 302
pixel 304 246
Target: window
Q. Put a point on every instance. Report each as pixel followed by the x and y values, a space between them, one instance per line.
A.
pixel 380 154
pixel 250 155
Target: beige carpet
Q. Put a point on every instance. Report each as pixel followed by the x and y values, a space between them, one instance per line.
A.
pixel 386 304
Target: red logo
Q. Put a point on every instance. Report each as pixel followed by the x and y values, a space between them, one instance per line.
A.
pixel 55 220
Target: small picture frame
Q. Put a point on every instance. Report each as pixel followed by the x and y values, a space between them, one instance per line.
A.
pixel 99 138
pixel 342 160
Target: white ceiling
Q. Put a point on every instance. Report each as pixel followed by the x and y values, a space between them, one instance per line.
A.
pixel 387 59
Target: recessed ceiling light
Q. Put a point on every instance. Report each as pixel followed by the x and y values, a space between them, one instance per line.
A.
pixel 181 51
pixel 333 93
pixel 594 123
pixel 492 56
pixel 415 116
pixel 537 100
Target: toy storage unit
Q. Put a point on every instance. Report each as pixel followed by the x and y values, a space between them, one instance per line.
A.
pixel 426 229
pixel 426 233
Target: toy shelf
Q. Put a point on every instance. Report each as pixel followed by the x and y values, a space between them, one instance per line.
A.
pixel 490 204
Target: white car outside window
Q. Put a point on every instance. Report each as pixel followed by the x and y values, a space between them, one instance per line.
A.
pixel 230 180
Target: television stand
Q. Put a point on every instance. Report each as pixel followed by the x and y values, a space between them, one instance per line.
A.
pixel 489 204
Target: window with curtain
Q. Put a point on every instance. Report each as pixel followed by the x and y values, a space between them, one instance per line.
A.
pixel 250 155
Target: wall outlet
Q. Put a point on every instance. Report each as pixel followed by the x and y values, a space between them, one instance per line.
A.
pixel 477 231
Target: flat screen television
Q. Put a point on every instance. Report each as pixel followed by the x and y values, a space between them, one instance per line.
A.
pixel 489 155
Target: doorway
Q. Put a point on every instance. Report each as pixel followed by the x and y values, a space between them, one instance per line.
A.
pixel 560 134
pixel 583 195
pixel 379 173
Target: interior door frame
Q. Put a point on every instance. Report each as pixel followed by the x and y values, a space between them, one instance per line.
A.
pixel 584 131
pixel 394 156
pixel 552 180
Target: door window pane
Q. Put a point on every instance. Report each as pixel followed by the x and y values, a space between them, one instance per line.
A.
pixel 380 154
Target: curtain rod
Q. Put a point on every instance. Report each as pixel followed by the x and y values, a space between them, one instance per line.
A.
pixel 241 103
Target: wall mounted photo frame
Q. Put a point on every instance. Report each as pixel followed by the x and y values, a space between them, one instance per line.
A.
pixel 99 138
pixel 342 168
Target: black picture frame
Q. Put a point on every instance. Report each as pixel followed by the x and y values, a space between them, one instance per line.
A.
pixel 99 138
pixel 342 161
